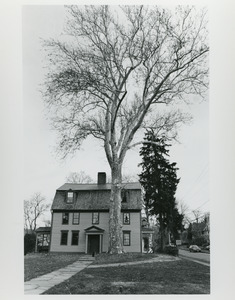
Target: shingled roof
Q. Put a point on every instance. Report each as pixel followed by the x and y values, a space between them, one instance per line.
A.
pixel 43 229
pixel 97 187
pixel 95 197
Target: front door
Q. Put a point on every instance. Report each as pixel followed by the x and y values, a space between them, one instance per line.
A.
pixel 93 244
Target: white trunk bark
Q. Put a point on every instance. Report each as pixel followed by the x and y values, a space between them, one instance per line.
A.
pixel 115 220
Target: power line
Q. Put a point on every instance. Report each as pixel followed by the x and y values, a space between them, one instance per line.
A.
pixel 196 180
pixel 198 190
pixel 197 218
pixel 203 204
pixel 204 169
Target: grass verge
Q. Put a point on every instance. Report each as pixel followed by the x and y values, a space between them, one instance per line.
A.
pixel 172 277
pixel 37 264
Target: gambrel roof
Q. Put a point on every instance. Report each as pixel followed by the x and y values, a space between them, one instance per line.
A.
pixel 90 197
pixel 97 187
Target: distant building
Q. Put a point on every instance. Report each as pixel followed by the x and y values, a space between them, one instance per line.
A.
pixel 147 239
pixel 202 229
pixel 80 217
pixel 43 235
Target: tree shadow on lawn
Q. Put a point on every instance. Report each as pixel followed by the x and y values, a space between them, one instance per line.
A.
pixel 176 277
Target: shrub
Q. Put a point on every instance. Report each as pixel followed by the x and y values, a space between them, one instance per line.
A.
pixel 156 249
pixel 172 250
pixel 199 241
pixel 29 243
pixel 169 249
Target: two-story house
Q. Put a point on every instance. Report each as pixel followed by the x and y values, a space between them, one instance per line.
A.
pixel 80 217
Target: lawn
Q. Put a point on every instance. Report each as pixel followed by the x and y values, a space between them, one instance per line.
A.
pixel 106 258
pixel 170 277
pixel 37 264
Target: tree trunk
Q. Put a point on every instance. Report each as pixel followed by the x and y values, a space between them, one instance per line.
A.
pixel 115 220
pixel 162 233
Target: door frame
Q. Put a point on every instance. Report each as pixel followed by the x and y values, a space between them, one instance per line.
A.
pixel 100 240
pixel 93 244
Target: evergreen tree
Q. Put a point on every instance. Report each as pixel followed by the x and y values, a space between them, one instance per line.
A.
pixel 176 224
pixel 159 180
pixel 189 233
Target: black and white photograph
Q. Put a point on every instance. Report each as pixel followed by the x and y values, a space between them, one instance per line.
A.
pixel 118 184
pixel 117 157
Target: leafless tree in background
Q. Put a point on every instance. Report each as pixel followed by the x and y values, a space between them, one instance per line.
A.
pixel 47 223
pixel 79 177
pixel 197 214
pixel 33 209
pixel 184 211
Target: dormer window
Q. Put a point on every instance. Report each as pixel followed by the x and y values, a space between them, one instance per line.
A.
pixel 70 197
pixel 124 194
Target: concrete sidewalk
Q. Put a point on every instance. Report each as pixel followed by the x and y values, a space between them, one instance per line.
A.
pixel 43 283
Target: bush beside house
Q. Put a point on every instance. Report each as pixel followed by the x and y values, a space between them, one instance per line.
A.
pixel 171 250
pixel 29 243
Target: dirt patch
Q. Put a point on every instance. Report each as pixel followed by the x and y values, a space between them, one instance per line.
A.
pixel 159 258
pixel 105 258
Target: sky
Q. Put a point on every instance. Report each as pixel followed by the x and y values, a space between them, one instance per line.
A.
pixel 44 172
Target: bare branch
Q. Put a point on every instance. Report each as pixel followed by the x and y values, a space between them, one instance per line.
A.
pixel 114 68
pixel 33 209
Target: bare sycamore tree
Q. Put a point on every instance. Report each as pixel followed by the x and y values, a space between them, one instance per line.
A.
pixel 33 209
pixel 79 177
pixel 113 72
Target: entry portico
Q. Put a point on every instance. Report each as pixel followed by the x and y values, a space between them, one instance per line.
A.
pixel 94 240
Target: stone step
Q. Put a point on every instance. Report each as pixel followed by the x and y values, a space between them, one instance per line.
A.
pixel 86 258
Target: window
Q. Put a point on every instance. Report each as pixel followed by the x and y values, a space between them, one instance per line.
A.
pixel 126 218
pixel 64 238
pixel 43 239
pixel 75 218
pixel 75 235
pixel 65 218
pixel 126 238
pixel 124 194
pixel 95 218
pixel 70 196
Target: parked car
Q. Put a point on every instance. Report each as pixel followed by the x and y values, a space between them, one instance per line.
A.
pixel 194 248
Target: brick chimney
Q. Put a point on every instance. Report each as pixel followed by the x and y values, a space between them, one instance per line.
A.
pixel 101 178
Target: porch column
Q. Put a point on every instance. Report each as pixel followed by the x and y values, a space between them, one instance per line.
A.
pixel 100 250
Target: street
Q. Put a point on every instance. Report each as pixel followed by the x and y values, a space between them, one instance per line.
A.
pixel 204 257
